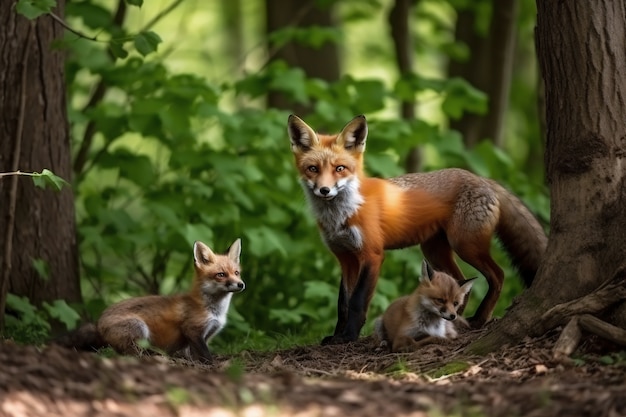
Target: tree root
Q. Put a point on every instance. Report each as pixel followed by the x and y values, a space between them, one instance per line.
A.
pixel 607 294
pixel 578 316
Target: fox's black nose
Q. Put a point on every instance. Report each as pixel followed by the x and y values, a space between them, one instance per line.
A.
pixel 452 316
pixel 241 285
pixel 324 190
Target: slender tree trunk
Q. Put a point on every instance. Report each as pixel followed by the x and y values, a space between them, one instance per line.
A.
pixel 474 70
pixel 232 16
pixel 489 69
pixel 322 63
pixel 502 52
pixel 35 224
pixel 399 23
pixel 582 52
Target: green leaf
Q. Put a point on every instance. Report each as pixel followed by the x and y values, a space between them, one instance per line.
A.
pixel 117 49
pixel 93 15
pixel 59 309
pixel 21 305
pixel 264 240
pixel 42 268
pixel 147 42
pixel 133 167
pixel 47 178
pixel 137 3
pixel 32 9
pixel 193 232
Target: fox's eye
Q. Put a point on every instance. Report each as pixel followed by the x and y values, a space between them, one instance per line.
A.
pixel 440 300
pixel 340 168
pixel 456 303
pixel 237 273
pixel 312 168
pixel 221 275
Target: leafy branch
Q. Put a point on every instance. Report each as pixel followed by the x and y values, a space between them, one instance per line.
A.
pixel 41 179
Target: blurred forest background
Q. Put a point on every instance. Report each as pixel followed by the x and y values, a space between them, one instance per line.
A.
pixel 178 115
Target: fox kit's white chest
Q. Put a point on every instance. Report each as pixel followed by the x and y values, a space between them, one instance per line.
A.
pixel 216 311
pixel 425 324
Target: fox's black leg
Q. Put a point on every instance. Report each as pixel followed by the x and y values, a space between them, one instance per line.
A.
pixel 353 304
pixel 358 305
pixel 342 315
pixel 349 280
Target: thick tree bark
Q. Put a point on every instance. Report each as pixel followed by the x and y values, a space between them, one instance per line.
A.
pixel 582 52
pixel 322 63
pixel 35 135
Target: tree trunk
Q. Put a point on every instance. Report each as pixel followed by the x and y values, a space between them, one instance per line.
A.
pixel 489 68
pixel 322 63
pixel 36 224
pixel 582 53
pixel 474 70
pixel 400 27
pixel 501 54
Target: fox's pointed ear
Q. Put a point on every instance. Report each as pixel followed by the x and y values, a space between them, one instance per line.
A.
pixel 354 135
pixel 427 272
pixel 301 135
pixel 467 285
pixel 235 251
pixel 202 254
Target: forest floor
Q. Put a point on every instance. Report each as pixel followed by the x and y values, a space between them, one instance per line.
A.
pixel 345 380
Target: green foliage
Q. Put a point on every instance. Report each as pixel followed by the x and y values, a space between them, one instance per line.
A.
pixel 176 156
pixel 31 9
pixel 24 323
pixel 61 311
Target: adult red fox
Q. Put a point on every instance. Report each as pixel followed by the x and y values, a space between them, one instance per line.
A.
pixel 444 211
pixel 426 316
pixel 180 323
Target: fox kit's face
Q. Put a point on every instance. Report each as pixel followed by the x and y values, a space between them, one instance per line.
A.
pixel 328 165
pixel 218 274
pixel 440 293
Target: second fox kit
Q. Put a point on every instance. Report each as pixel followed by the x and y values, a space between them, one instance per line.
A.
pixel 181 323
pixel 447 211
pixel 425 316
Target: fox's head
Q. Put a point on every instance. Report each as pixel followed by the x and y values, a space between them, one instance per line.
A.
pixel 216 273
pixel 328 164
pixel 440 293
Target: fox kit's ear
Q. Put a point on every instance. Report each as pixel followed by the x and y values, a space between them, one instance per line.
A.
pixel 467 286
pixel 301 135
pixel 354 134
pixel 235 251
pixel 427 272
pixel 202 254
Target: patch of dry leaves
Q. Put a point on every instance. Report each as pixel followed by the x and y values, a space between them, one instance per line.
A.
pixel 345 380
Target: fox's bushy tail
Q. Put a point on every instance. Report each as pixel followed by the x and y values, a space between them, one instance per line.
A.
pixel 521 235
pixel 86 337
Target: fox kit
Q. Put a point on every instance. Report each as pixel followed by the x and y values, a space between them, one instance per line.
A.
pixel 181 323
pixel 425 316
pixel 446 211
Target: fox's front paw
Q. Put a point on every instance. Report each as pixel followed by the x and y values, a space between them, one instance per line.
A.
pixel 335 340
pixel 476 322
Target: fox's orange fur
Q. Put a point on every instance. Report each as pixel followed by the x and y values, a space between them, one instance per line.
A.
pixel 426 315
pixel 445 211
pixel 181 323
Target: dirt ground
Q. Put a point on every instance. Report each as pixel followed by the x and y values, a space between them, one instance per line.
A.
pixel 346 380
